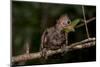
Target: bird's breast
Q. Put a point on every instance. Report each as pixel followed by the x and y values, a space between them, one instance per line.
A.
pixel 56 40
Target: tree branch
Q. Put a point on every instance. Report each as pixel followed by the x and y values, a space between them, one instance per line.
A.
pixel 88 21
pixel 78 45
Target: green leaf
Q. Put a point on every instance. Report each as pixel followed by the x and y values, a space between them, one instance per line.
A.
pixel 66 30
pixel 72 26
pixel 75 22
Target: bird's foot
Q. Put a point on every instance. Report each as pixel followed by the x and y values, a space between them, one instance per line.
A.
pixel 44 54
pixel 64 50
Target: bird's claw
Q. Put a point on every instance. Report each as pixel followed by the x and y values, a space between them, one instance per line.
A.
pixel 44 53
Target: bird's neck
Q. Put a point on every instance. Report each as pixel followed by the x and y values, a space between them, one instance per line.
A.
pixel 58 27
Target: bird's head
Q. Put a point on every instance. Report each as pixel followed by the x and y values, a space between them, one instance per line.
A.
pixel 64 23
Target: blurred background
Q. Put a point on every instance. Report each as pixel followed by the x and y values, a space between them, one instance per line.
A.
pixel 30 19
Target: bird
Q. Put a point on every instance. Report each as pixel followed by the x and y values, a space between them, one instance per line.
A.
pixel 56 37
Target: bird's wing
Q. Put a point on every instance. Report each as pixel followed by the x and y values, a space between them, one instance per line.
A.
pixel 43 40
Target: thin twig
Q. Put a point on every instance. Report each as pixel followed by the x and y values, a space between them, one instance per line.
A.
pixel 79 45
pixel 88 21
pixel 25 50
pixel 83 10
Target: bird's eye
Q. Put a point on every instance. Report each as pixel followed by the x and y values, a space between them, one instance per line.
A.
pixel 69 22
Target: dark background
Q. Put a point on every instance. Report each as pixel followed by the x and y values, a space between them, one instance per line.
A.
pixel 30 19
